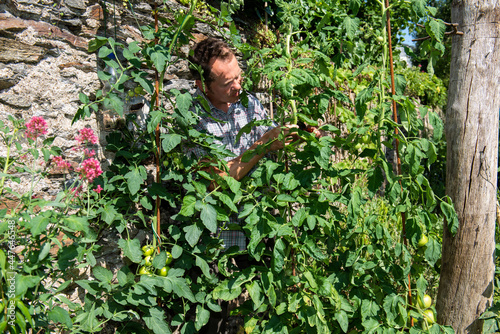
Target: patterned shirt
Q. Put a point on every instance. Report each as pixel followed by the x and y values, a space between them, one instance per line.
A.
pixel 226 127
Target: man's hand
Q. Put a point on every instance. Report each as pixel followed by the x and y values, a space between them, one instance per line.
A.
pixel 272 136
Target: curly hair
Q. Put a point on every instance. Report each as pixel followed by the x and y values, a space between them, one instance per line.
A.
pixel 204 52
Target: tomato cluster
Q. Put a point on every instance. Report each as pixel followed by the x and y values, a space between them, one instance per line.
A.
pixel 148 252
pixel 424 306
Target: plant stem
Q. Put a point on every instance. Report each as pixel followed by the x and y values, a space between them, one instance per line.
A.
pixel 5 169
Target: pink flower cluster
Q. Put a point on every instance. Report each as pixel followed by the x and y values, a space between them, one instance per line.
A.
pixel 61 163
pixel 86 135
pixel 90 169
pixel 36 127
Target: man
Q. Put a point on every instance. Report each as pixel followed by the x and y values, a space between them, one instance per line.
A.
pixel 221 87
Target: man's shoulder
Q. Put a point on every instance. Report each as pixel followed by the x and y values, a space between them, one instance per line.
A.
pixel 200 101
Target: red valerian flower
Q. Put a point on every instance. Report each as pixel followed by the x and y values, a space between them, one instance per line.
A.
pixel 61 163
pixel 90 169
pixel 98 189
pixel 88 153
pixel 86 135
pixel 36 127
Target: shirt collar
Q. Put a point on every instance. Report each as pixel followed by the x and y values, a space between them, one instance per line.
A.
pixel 232 107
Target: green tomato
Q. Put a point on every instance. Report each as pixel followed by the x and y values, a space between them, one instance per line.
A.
pixel 178 162
pixel 429 316
pixel 144 271
pixel 148 250
pixel 164 271
pixel 426 303
pixel 148 260
pixel 169 258
pixel 423 241
pixel 138 90
pixel 380 39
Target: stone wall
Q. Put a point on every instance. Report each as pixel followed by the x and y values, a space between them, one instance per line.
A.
pixel 44 65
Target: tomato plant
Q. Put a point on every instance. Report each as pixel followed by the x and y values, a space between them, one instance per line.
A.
pixel 326 219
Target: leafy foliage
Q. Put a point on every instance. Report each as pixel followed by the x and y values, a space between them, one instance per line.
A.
pixel 332 243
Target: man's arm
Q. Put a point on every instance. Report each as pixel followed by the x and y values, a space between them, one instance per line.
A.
pixel 239 168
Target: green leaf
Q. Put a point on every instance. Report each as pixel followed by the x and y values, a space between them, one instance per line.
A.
pixel 25 311
pixel 135 179
pixel 432 251
pixel 421 286
pixel 183 102
pixel 418 7
pixel 83 98
pixel 59 315
pixel 102 274
pixel 227 201
pixel 203 265
pixel 208 216
pixel 114 102
pixel 285 198
pixel 310 279
pixel 375 180
pixel 96 43
pixel 159 56
pixel 76 224
pixel 255 292
pixel 286 87
pixel 343 320
pixel 351 26
pixel 369 308
pixel 278 260
pixel 25 282
pixel 391 306
pixel 45 249
pixel 179 287
pixel 314 251
pixel 436 28
pixel 131 249
pixel 290 183
pixel 362 98
pixel 451 216
pixel 233 184
pixel 193 234
pixel 155 320
pixel 202 317
pixel 226 292
pixel 400 84
pixel 3 261
pixel 108 213
pixel 159 260
pixel 142 79
pixel 299 217
pixel 437 126
pixel 354 6
pixel 176 251
pixel 188 205
pixel 38 224
pixel 170 141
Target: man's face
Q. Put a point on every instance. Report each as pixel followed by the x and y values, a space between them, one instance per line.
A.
pixel 226 86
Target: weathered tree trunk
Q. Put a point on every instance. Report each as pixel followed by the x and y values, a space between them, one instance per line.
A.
pixel 467 270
